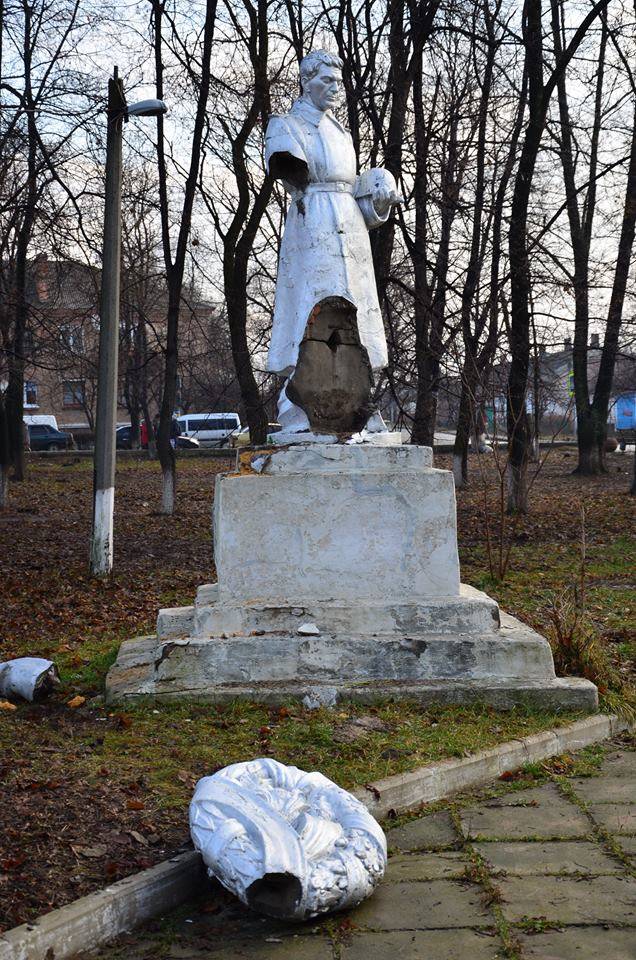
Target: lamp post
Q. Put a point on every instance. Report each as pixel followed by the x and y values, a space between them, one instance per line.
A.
pixel 101 559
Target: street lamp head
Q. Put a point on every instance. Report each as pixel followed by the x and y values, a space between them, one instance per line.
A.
pixel 146 108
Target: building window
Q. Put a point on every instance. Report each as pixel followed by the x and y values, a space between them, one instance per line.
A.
pixel 30 393
pixel 73 337
pixel 73 393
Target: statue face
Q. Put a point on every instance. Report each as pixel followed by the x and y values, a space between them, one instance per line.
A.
pixel 324 88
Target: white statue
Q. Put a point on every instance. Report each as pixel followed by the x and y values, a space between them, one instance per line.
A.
pixel 325 251
pixel 288 843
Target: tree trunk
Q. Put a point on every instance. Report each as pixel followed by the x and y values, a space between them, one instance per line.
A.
pixel 4 486
pixel 462 436
pixel 604 380
pixel 5 457
pixel 517 419
pixel 250 394
pixel 165 449
pixel 591 451
pixel 423 430
pixel 168 484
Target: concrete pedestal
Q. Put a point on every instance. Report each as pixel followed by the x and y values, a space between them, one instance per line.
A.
pixel 338 572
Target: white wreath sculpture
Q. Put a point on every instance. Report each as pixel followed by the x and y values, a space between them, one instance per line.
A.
pixel 288 843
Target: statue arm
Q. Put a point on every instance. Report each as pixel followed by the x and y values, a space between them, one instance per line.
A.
pixel 376 193
pixel 284 156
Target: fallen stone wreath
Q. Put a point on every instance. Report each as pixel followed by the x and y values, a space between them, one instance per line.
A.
pixel 99 917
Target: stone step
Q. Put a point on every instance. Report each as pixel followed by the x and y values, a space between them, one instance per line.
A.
pixel 282 657
pixel 175 622
pixel 138 671
pixel 471 612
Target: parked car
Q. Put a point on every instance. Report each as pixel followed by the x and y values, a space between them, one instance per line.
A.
pixel 123 440
pixel 242 439
pixel 210 429
pixel 42 436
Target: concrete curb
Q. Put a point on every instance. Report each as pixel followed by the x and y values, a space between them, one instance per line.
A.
pixel 99 917
pixel 439 780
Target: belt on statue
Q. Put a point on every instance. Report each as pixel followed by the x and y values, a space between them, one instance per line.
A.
pixel 336 186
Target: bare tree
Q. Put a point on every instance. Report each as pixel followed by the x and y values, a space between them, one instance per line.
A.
pixel 539 94
pixel 174 253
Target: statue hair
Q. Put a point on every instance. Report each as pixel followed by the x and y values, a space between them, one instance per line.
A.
pixel 311 64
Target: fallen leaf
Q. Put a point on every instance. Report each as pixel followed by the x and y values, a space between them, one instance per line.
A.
pixel 76 702
pixel 5 705
pixel 139 837
pixel 135 804
pixel 95 852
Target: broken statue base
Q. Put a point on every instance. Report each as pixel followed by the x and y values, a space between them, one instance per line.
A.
pixel 338 578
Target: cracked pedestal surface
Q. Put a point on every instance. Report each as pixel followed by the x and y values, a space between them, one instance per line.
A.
pixel 338 572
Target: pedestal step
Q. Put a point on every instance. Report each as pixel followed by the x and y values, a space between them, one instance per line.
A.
pixel 471 612
pixel 138 672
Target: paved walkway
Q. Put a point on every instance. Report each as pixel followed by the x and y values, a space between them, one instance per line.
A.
pixel 547 873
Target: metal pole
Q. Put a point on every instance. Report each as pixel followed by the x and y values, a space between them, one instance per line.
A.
pixel 101 560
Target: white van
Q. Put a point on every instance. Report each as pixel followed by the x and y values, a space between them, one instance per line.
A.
pixel 38 418
pixel 210 429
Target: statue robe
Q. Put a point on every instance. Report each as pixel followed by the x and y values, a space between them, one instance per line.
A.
pixel 325 250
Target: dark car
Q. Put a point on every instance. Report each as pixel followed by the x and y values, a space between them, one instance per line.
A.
pixel 123 440
pixel 42 436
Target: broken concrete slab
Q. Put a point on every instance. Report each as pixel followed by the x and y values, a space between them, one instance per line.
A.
pixel 433 905
pixel 427 833
pixel 556 857
pixel 433 944
pixel 540 813
pixel 563 900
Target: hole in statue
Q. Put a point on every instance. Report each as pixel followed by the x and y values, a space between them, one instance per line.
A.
pixel 275 894
pixel 334 341
pixel 333 380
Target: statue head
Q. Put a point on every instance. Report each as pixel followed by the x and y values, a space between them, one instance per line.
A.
pixel 321 78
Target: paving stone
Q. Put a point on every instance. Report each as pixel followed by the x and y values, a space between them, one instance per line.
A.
pixel 616 817
pixel 627 844
pixel 427 833
pixel 436 904
pixel 540 813
pixel 286 948
pixel 431 945
pixel 580 943
pixel 426 866
pixel 606 789
pixel 563 900
pixel 558 856
pixel 620 763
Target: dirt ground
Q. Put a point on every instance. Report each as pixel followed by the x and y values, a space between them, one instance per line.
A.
pixel 82 801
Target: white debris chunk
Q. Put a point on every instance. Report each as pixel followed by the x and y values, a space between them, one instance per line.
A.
pixel 317 697
pixel 309 630
pixel 289 844
pixel 29 678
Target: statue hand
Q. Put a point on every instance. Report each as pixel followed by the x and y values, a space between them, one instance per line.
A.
pixel 384 198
